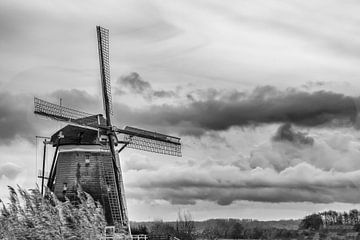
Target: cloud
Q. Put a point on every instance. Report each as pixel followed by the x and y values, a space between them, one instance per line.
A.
pixel 275 172
pixel 204 113
pixel 326 148
pixel 164 94
pixel 287 133
pixel 15 118
pixel 215 94
pixel 225 184
pixel 314 84
pixel 9 170
pixel 77 99
pixel 325 171
pixel 326 32
pixel 139 162
pixel 135 84
pixel 278 171
pixel 263 105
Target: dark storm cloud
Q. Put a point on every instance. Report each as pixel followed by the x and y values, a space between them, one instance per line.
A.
pixel 18 120
pixel 164 94
pixel 288 134
pixel 9 170
pixel 263 105
pixel 15 117
pixel 134 83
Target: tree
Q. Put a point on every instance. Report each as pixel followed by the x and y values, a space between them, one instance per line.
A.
pixel 185 226
pixel 354 216
pixel 346 218
pixel 236 230
pixel 210 233
pixel 159 228
pixel 312 222
pixel 140 229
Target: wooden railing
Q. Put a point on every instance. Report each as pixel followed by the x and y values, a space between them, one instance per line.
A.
pixel 162 237
pixel 123 237
pixel 111 235
pixel 139 237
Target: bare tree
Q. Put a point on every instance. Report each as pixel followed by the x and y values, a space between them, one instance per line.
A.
pixel 185 226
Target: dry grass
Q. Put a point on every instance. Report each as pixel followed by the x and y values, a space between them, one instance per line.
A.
pixel 29 215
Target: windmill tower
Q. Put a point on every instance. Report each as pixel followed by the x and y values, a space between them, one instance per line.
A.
pixel 86 150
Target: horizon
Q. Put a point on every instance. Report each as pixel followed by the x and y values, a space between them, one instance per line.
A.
pixel 241 219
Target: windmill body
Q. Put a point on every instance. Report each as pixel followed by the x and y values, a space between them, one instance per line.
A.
pixel 86 154
pixel 84 160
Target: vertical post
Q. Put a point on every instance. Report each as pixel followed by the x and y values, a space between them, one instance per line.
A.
pixel 60 107
pixel 98 131
pixel 53 169
pixel 43 169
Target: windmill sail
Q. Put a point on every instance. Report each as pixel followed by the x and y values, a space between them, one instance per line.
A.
pixel 119 211
pixel 65 114
pixel 151 141
pixel 103 46
pixel 57 112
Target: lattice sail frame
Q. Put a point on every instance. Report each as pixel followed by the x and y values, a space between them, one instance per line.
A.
pixel 151 141
pixel 56 111
pixel 151 145
pixel 103 45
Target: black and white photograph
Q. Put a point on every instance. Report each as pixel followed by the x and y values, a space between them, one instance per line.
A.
pixel 180 120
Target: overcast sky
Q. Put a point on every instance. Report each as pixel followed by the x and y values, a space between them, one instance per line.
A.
pixel 263 93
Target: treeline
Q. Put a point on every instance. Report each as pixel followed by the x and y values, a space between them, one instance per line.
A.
pixel 29 215
pixel 252 223
pixel 235 229
pixel 186 228
pixel 317 220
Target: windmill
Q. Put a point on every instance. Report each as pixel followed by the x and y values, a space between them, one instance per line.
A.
pixel 86 149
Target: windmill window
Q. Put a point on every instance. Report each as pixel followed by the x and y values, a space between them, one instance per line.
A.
pixel 65 187
pixel 87 160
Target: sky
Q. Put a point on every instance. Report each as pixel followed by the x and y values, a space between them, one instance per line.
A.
pixel 263 93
